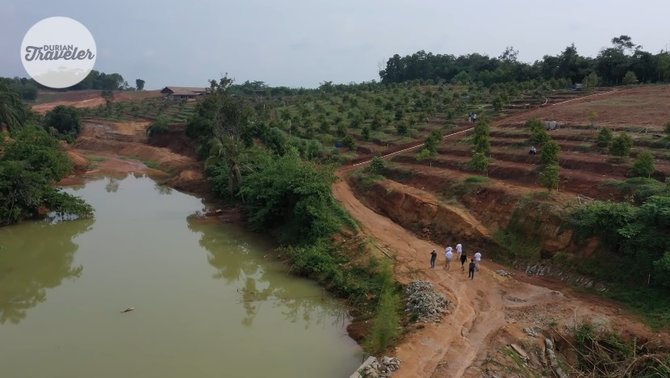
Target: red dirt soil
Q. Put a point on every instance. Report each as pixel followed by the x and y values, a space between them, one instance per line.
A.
pixel 645 105
pixel 84 98
pixel 482 307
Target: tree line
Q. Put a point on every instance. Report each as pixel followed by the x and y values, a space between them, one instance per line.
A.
pixel 611 66
pixel 31 160
pixel 27 88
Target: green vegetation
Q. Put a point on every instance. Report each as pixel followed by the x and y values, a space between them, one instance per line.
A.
pixel 63 121
pixel 480 139
pixel 635 245
pixel 13 114
pixel 644 165
pixel 479 162
pixel 602 352
pixel 549 175
pixel 629 78
pixel 386 324
pixel 30 162
pixel 621 145
pixel 538 134
pixel 159 126
pixel 623 62
pixel 604 137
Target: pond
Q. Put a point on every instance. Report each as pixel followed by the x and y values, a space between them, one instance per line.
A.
pixel 208 299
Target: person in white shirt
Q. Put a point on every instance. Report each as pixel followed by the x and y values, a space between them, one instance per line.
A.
pixel 478 259
pixel 459 250
pixel 448 256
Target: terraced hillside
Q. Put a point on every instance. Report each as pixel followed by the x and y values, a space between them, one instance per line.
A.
pixel 508 195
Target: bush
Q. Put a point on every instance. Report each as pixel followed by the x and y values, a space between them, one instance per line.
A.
pixel 159 126
pixel 604 137
pixel 538 134
pixel 549 176
pixel 377 166
pixel 550 153
pixel 629 78
pixel 402 128
pixel 64 119
pixel 479 162
pixel 294 197
pixel 480 138
pixel 349 142
pixel 621 145
pixel 644 165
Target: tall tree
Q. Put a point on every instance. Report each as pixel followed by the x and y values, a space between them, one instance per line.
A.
pixel 139 84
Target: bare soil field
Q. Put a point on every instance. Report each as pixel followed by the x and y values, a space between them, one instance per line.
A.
pixel 47 100
pixel 644 105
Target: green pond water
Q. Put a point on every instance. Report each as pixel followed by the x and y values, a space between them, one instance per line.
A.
pixel 209 301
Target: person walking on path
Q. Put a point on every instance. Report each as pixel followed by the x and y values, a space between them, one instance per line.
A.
pixel 471 269
pixel 448 256
pixel 464 258
pixel 433 258
pixel 459 250
pixel 478 259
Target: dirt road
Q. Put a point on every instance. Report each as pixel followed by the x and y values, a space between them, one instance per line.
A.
pixel 482 307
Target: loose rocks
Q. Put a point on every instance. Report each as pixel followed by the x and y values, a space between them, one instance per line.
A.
pixel 424 302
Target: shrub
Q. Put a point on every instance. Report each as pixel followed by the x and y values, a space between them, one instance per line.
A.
pixel 629 78
pixel 479 162
pixel 621 145
pixel 365 133
pixel 64 119
pixel 604 137
pixel 159 126
pixel 377 165
pixel 349 142
pixel 402 128
pixel 644 165
pixel 550 153
pixel 549 176
pixel 480 138
pixel 538 134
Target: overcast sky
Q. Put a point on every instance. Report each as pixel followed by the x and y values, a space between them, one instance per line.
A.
pixel 305 42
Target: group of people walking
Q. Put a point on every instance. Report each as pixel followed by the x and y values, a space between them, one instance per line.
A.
pixel 461 256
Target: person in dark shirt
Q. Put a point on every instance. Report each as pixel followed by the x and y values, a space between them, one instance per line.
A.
pixel 464 258
pixel 433 257
pixel 471 269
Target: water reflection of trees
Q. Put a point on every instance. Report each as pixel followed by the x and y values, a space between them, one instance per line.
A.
pixel 237 264
pixel 29 265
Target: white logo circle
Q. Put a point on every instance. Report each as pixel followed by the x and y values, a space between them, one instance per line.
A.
pixel 58 52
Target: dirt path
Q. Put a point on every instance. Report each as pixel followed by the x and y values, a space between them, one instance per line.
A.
pixel 481 308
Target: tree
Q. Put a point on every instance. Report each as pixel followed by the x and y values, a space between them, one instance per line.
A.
pixel 480 162
pixel 591 81
pixel 604 137
pixel 549 176
pixel 13 114
pixel 667 128
pixel 480 138
pixel 629 78
pixel 644 165
pixel 365 133
pixel 64 119
pixel 139 84
pixel 402 128
pixel 621 145
pixel 538 134
pixel 349 142
pixel 433 141
pixel 550 153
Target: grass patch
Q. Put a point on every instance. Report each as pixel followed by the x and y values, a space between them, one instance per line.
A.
pixel 152 164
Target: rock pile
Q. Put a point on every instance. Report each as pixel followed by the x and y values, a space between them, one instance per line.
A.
pixel 377 368
pixel 424 302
